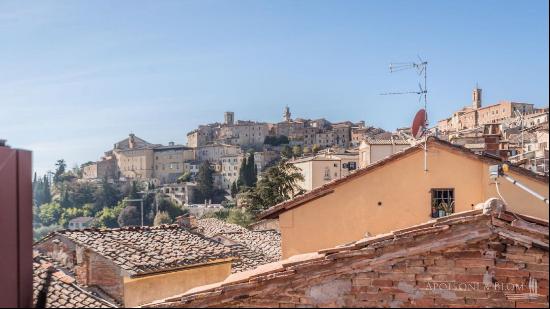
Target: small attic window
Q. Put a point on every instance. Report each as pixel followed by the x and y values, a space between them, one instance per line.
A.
pixel 442 202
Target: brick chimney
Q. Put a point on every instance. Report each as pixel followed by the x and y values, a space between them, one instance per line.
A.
pixel 186 222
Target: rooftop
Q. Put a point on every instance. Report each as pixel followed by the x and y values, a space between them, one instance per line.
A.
pixel 461 229
pixel 267 243
pixel 329 187
pixel 142 250
pixel 60 289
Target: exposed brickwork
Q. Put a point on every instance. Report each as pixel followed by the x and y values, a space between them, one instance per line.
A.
pixel 446 263
pixel 61 289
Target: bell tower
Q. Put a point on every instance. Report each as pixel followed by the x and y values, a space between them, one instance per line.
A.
pixel 476 97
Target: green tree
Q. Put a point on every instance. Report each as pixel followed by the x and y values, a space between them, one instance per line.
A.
pixel 297 151
pixel 106 195
pixel 162 217
pixel 286 152
pixel 251 171
pixel 42 231
pixel 240 216
pixel 71 213
pixel 205 180
pixel 306 151
pixel 60 167
pixel 167 206
pixel 185 177
pixel 315 148
pixel 108 217
pixel 50 213
pixel 234 189
pixel 278 184
pixel 129 216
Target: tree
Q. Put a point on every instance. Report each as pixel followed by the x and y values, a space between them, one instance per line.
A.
pixel 306 151
pixel 185 177
pixel 60 167
pixel 80 193
pixel 248 172
pixel 297 151
pixel 42 231
pixel 71 213
pixel 49 213
pixel 240 216
pixel 278 184
pixel 105 195
pixel 286 152
pixel 41 190
pixel 234 189
pixel 251 171
pixel 315 148
pixel 167 206
pixel 205 180
pixel 129 216
pixel 108 217
pixel 162 217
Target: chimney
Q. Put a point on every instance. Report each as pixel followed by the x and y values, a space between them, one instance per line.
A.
pixel 186 222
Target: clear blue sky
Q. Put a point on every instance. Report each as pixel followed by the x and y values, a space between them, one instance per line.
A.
pixel 77 76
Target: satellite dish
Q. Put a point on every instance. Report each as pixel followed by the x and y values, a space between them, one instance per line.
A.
pixel 419 123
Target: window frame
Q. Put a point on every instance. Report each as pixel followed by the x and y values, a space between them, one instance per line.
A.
pixel 451 199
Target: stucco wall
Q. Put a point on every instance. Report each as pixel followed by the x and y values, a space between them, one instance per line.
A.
pixel 144 290
pixel 403 190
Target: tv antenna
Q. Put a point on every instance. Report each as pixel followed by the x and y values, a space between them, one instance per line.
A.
pixel 420 123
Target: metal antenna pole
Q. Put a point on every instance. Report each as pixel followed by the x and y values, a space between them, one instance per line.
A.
pixel 421 68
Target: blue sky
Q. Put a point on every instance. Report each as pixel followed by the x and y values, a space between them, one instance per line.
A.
pixel 77 76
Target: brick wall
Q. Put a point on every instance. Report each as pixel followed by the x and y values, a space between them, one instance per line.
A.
pixel 89 268
pixel 418 281
pixel 104 274
pixel 464 265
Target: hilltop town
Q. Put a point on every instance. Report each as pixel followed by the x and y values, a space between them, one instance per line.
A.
pixel 218 221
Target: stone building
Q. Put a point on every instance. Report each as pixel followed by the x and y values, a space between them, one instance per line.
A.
pixel 244 133
pixel 321 169
pixel 214 152
pixel 477 115
pixel 106 168
pixel 477 258
pixel 374 150
pixel 230 166
pixel 169 162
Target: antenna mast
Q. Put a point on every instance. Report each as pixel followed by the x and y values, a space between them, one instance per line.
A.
pixel 421 68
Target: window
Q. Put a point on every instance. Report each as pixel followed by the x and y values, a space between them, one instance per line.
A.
pixel 327 173
pixel 443 202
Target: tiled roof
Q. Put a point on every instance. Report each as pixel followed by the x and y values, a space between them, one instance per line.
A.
pixel 451 231
pixel 266 243
pixel 329 187
pixel 141 250
pixel 61 288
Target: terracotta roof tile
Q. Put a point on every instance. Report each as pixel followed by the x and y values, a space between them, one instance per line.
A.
pixel 253 247
pixel 141 250
pixel 470 226
pixel 61 289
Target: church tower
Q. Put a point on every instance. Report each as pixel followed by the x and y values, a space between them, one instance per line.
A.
pixel 286 114
pixel 476 98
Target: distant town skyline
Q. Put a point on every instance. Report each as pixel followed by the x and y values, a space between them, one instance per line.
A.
pixel 76 77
